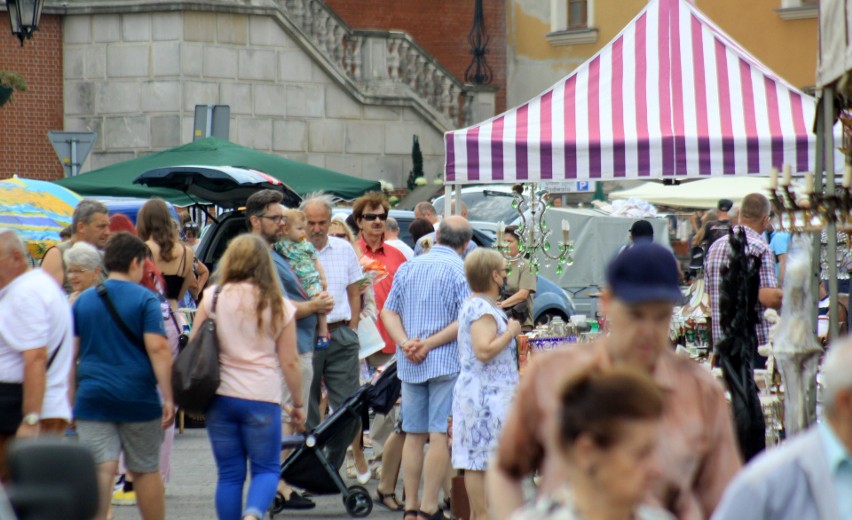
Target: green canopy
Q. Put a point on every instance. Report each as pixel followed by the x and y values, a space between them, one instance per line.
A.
pixel 117 180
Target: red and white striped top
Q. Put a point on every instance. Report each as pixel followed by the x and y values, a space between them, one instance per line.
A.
pixel 671 95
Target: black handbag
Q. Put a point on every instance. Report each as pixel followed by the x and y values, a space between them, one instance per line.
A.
pixel 195 373
pixel 519 311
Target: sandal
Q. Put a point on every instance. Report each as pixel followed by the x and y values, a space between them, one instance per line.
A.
pixel 437 515
pixel 383 497
pixel 410 512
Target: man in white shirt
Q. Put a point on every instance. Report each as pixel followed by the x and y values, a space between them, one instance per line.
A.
pixel 337 363
pixel 36 348
pixel 392 238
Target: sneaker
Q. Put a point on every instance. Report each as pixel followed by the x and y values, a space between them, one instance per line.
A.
pixel 119 484
pixel 124 498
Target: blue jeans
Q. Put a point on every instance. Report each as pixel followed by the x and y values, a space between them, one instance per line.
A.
pixel 241 430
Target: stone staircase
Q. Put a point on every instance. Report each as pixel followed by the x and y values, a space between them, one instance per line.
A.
pixel 381 67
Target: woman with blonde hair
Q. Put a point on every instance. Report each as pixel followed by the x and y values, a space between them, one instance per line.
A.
pixel 257 344
pixel 172 257
pixel 488 375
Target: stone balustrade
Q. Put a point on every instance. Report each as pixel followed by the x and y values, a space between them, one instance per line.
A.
pixel 386 66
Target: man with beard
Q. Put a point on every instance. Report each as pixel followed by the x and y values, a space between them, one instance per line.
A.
pixel 265 218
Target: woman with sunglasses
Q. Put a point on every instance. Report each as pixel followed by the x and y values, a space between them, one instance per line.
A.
pixel 488 376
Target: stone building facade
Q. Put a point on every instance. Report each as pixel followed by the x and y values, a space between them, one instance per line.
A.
pixel 298 81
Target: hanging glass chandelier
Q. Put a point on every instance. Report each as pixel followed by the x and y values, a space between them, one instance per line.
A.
pixel 533 233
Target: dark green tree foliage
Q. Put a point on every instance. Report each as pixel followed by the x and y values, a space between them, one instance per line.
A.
pixel 417 163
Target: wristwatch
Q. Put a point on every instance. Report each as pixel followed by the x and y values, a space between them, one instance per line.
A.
pixel 32 419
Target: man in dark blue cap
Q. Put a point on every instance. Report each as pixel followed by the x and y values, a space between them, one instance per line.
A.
pixel 697 452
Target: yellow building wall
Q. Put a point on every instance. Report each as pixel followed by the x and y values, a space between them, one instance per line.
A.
pixel 787 47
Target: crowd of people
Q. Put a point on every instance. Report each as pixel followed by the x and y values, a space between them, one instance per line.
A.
pixel 619 428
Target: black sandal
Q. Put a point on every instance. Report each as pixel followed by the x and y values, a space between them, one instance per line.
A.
pixel 389 496
pixel 408 513
pixel 437 515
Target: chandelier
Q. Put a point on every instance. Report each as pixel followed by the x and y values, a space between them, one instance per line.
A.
pixel 533 233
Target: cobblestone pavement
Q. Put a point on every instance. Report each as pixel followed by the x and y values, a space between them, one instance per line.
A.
pixel 189 495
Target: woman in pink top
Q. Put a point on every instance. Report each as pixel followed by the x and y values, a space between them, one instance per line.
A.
pixel 257 341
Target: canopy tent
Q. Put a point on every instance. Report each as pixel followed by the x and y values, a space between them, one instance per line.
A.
pixel 835 41
pixel 117 180
pixel 671 95
pixel 703 194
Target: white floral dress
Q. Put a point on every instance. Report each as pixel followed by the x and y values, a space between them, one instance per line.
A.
pixel 483 390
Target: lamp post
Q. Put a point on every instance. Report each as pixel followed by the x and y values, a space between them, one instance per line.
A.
pixel 24 16
pixel 478 72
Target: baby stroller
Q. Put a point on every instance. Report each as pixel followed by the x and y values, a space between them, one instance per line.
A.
pixel 310 465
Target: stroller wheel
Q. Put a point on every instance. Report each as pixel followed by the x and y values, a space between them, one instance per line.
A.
pixel 277 505
pixel 357 502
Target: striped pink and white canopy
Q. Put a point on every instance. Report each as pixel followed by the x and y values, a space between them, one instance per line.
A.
pixel 671 95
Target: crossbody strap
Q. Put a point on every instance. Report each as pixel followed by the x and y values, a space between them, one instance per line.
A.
pixel 102 292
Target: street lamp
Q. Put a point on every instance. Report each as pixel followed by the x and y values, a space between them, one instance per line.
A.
pixel 24 16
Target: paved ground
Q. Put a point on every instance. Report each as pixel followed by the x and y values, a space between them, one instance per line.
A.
pixel 189 496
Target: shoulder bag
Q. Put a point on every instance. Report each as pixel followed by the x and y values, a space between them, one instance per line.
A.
pixel 195 373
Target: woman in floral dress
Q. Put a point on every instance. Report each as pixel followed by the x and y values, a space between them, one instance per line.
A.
pixel 488 376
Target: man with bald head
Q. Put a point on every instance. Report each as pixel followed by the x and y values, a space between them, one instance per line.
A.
pixel 754 221
pixel 36 348
pixel 427 211
pixel 420 315
pixel 810 475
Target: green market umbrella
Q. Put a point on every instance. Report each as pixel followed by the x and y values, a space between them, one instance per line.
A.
pixel 117 179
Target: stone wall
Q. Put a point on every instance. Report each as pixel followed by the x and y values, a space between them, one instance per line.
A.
pixel 136 78
pixel 24 147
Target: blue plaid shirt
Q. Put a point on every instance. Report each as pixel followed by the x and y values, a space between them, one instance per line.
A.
pixel 428 293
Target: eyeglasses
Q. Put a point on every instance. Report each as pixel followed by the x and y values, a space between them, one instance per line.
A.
pixel 373 216
pixel 77 271
pixel 277 218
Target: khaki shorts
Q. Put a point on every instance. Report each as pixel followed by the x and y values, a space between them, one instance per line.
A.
pixel 140 442
pixel 306 363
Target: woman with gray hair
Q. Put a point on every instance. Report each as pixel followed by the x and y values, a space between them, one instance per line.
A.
pixel 84 267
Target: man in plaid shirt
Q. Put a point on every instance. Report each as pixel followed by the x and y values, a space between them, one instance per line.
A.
pixel 754 218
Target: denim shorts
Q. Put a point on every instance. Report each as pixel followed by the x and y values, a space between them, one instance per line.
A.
pixel 426 407
pixel 140 442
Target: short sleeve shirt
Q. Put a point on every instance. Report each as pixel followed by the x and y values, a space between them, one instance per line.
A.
pixel 340 263
pixel 716 258
pixel 428 294
pixel 391 258
pixel 115 379
pixel 34 313
pixel 519 278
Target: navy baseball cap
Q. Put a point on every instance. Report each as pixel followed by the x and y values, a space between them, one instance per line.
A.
pixel 644 273
pixel 725 204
